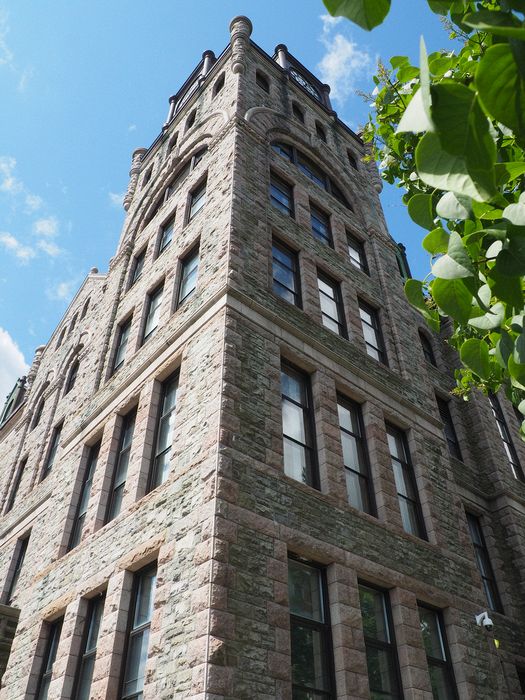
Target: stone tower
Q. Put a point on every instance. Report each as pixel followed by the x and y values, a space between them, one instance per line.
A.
pixel 235 470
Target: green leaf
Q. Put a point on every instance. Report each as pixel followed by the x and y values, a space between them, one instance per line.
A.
pixel 365 13
pixel 414 117
pixel 504 348
pixel 492 319
pixel 508 289
pixel 414 294
pixel 440 7
pixel 474 354
pixel 519 349
pixel 521 407
pixel 424 80
pixel 453 298
pixel 500 23
pixel 457 263
pixel 517 372
pixel 501 88
pixel 506 172
pixel 515 213
pixel 397 61
pixel 420 210
pixel 511 261
pixel 452 206
pixel 436 241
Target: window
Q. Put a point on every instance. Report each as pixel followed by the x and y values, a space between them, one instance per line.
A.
pixel 372 332
pixel 312 664
pixel 21 549
pixel 381 653
pixel 320 223
pixel 355 457
pixel 72 324
pixel 61 337
pixel 484 566
pixel 16 485
pixel 510 450
pixel 85 309
pixel 448 428
pixel 356 252
pixel 407 495
pixel 120 470
pixel 38 413
pixel 198 156
pixel 331 304
pixel 164 431
pixel 173 141
pixel 188 275
pixel 284 150
pixel 138 633
pixel 319 130
pixel 428 352
pixel 123 337
pixel 147 176
pixel 300 459
pixel 352 160
pixel 281 195
pixel 436 648
pixel 72 377
pixel 85 491
pixel 54 630
pixel 166 234
pixel 191 120
pixel 218 85
pixel 153 313
pixel 53 447
pixel 298 112
pixel 262 81
pixel 138 266
pixel 521 678
pixel 285 269
pixel 197 199
pixel 89 649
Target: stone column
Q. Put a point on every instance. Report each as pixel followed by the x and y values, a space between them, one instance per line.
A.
pixel 209 59
pixel 281 52
pixel 240 31
pixel 136 160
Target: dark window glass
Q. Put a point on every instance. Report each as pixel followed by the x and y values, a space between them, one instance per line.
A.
pixel 320 225
pixel 120 471
pixel 164 432
pixel 438 659
pixel 198 156
pixel 72 377
pixel 19 563
pixel 407 494
pixel 153 314
pixel 285 268
pixel 356 251
pixel 448 428
pixel 197 199
pixel 84 309
pixel 508 445
pixel 298 112
pixel 281 195
pixel 312 675
pixel 138 266
pixel 372 332
pixel 283 149
pixel 191 120
pixel 218 85
pixel 483 561
pixel 521 678
pixel 338 194
pixel 73 323
pixel 46 672
pixel 381 654
pixel 51 454
pixel 428 352
pixel 188 275
pixel 147 176
pixel 123 337
pixel 38 413
pixel 300 459
pixel 16 485
pixel 331 304
pixel 321 133
pixel 352 160
pixel 85 491
pixel 166 234
pixel 89 649
pixel 355 457
pixel 61 337
pixel 311 170
pixel 138 634
pixel 262 81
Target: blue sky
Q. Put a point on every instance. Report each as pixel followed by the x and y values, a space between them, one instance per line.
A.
pixel 84 84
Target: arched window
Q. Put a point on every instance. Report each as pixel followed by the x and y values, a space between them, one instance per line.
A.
pixel 173 141
pixel 72 377
pixel 298 112
pixel 147 176
pixel 319 130
pixel 428 351
pixel 262 81
pixel 38 413
pixel 190 121
pixel 61 337
pixel 73 324
pixel 352 160
pixel 85 309
pixel 218 85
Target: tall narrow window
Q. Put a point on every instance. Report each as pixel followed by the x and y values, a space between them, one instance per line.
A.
pixel 85 491
pixel 381 653
pixel 312 665
pixel 166 234
pixel 298 112
pixel 510 450
pixel 448 428
pixel 281 195
pixel 372 332
pixel 407 495
pixel 46 673
pixel 356 252
pixel 188 275
pixel 438 659
pixel 331 304
pixel 352 160
pixel 20 553
pixel 262 81
pixel 426 345
pixel 153 313
pixel 320 225
pixel 122 344
pixel 164 433
pixel 85 309
pixel 190 121
pixel 218 85
pixel 89 649
pixel 355 457
pixel 72 377
pixel 285 268
pixel 138 634
pixel 52 451
pixel 300 459
pixel 120 471
pixel 320 132
pixel 197 199
pixel 16 485
pixel 483 561
pixel 138 266
pixel 38 413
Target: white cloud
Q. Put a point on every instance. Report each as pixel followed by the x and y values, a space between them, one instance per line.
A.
pixel 62 291
pixel 33 202
pixel 23 252
pixel 6 55
pixel 132 127
pixel 50 248
pixel 8 182
pixel 25 77
pixel 115 199
pixel 12 364
pixel 344 64
pixel 46 227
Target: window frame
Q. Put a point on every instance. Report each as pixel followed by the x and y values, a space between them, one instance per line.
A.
pixel 194 252
pixel 197 194
pixel 95 607
pixel 488 582
pixel 75 537
pixel 19 556
pixel 173 378
pixel 37 416
pixel 449 429
pixel 53 447
pixel 426 346
pixel 262 81
pixel 335 286
pixel 156 295
pixel 298 112
pixel 376 327
pixel 358 246
pixel 123 452
pixel 434 661
pixel 124 330
pixel 54 631
pixel 137 267
pixel 167 226
pixel 295 271
pixel 287 190
pixel 320 131
pixel 218 84
pixel 508 445
pixel 318 214
pixel 15 486
pixel 72 376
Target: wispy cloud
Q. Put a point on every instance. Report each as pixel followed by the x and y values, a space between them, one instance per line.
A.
pixel 12 364
pixel 50 248
pixel 116 199
pixel 46 227
pixel 24 253
pixel 9 183
pixel 7 56
pixel 132 127
pixel 33 202
pixel 61 291
pixel 344 64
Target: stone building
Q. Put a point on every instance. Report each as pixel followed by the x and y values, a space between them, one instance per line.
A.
pixel 236 470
